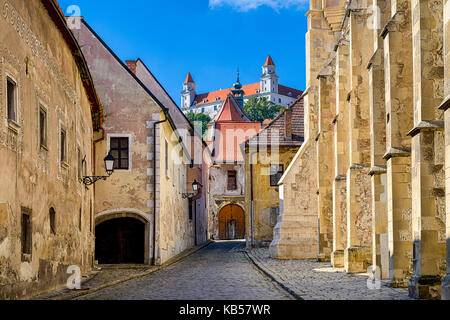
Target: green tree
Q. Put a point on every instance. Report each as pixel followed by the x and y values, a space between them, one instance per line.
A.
pixel 261 109
pixel 201 117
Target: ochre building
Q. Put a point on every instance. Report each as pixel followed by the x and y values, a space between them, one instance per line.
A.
pixel 144 212
pixel 267 156
pixel 49 114
pixel 370 184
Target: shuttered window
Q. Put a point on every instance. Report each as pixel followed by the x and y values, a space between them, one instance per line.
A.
pixel 231 185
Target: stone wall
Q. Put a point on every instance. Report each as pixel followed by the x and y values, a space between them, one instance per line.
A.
pixel 33 177
pixel 384 87
pixel 219 195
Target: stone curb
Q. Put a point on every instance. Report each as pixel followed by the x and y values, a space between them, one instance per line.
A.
pixel 139 275
pixel 272 276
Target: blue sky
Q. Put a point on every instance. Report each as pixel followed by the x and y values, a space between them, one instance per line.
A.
pixel 209 38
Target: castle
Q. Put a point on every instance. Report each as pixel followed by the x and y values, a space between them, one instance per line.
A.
pixel 211 102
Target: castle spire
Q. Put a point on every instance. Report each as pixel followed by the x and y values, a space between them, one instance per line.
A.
pixel 189 78
pixel 237 91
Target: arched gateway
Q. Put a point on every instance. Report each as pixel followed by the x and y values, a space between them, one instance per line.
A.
pixel 122 236
pixel 231 222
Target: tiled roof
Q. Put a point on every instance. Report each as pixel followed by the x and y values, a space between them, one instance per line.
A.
pixel 232 128
pixel 231 110
pixel 269 61
pixel 189 78
pixel 290 92
pixel 275 131
pixel 249 89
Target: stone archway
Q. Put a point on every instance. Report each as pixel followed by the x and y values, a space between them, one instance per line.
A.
pixel 122 237
pixel 231 222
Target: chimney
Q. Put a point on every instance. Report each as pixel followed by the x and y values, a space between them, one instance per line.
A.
pixel 288 123
pixel 131 64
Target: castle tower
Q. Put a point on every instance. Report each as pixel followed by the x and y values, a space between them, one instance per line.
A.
pixel 269 78
pixel 237 91
pixel 188 94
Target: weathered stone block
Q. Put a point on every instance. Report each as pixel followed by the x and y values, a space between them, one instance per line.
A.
pixel 357 259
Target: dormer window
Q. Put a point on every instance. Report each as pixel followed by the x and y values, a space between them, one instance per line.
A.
pixel 257 90
pixel 205 100
pixel 290 94
pixel 217 98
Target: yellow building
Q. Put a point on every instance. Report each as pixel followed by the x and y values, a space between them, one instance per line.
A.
pixel 49 113
pixel 144 212
pixel 267 155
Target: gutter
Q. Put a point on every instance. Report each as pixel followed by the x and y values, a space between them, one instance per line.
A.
pixel 252 215
pixel 165 110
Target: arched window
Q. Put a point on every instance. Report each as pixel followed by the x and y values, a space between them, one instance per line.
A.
pixel 52 216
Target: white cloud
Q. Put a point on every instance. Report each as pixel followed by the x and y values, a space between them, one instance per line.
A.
pixel 246 5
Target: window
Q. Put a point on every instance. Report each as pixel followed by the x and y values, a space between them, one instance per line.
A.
pixel 26 235
pixel 166 155
pixel 52 216
pixel 279 100
pixel 42 127
pixel 120 151
pixel 257 90
pixel 205 100
pixel 215 108
pixel 217 98
pixel 63 141
pixel 232 185
pixel 276 172
pixel 11 95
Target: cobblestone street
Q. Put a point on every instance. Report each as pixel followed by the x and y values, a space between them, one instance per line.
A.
pixel 312 280
pixel 220 271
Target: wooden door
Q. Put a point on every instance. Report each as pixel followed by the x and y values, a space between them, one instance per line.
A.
pixel 231 222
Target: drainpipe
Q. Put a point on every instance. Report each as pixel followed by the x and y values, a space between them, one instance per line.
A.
pixel 91 200
pixel 195 222
pixel 251 200
pixel 165 110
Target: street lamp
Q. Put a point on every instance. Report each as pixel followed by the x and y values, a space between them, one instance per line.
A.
pixel 109 167
pixel 195 186
pixel 109 164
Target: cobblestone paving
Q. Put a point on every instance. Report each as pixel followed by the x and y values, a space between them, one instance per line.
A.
pixel 221 271
pixel 98 278
pixel 320 281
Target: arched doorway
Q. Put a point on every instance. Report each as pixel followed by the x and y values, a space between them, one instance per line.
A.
pixel 231 222
pixel 120 240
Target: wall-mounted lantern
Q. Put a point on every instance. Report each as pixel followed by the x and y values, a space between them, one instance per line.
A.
pixel 109 167
pixel 195 186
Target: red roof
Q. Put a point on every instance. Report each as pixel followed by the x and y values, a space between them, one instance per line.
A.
pixel 269 61
pixel 249 89
pixel 274 132
pixel 189 78
pixel 232 127
pixel 231 111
